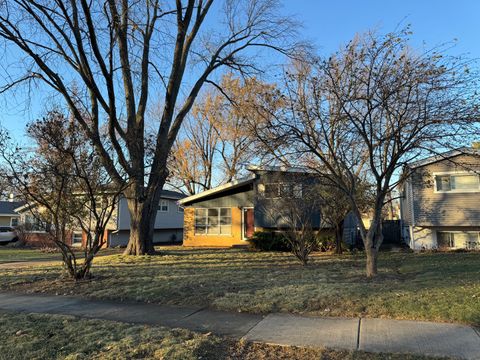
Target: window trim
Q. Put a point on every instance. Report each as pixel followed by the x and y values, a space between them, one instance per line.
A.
pixel 77 243
pixel 206 224
pixel 163 201
pixel 455 191
pixel 14 218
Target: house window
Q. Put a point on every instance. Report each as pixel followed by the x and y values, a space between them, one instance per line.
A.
pixel 456 240
pixel 163 207
pixel 283 190
pixel 76 238
pixel 179 209
pixel 272 191
pixel 213 221
pixel 14 222
pixel 457 182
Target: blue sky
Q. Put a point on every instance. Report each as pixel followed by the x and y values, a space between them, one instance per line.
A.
pixel 331 23
pixel 328 24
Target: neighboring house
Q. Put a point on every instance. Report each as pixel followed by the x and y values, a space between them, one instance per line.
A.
pixel 168 223
pixel 35 232
pixel 440 201
pixel 229 214
pixel 8 216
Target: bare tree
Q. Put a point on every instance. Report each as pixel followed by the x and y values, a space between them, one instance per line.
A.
pixel 359 116
pixel 194 155
pixel 293 209
pixel 216 141
pixel 64 186
pixel 105 59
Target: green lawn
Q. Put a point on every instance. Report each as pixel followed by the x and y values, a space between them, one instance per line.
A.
pixel 33 336
pixel 428 286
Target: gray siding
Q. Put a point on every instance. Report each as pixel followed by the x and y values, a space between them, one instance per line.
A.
pixel 445 209
pixel 120 238
pixel 268 212
pixel 172 219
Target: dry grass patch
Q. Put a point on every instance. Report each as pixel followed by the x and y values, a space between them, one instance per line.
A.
pixel 430 286
pixel 34 336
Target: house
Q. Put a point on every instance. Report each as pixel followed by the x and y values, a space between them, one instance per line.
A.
pixel 229 214
pixel 168 222
pixel 8 216
pixel 440 200
pixel 35 233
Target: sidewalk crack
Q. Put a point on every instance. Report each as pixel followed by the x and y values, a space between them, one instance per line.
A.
pixel 195 312
pixel 358 333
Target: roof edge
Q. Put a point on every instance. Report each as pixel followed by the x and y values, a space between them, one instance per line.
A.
pixel 231 185
pixel 444 156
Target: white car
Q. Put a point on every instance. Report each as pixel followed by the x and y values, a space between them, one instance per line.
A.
pixel 7 234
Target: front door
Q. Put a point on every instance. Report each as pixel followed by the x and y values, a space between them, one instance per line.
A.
pixel 248 223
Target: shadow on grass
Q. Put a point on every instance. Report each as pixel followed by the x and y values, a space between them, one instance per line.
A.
pixel 423 286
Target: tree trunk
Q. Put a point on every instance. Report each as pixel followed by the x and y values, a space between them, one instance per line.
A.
pixel 142 221
pixel 338 237
pixel 372 247
pixel 372 257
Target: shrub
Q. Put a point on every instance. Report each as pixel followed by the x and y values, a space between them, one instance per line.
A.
pixel 269 241
pixel 326 242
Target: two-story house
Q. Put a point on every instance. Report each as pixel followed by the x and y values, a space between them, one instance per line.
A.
pixel 168 221
pixel 168 224
pixel 229 214
pixel 440 202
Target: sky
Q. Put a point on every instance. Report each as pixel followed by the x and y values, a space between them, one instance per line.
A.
pixel 328 24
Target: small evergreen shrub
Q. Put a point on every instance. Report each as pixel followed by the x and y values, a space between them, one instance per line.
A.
pixel 269 241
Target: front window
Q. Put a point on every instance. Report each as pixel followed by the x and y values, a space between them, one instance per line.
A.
pixel 283 190
pixel 457 182
pixel 14 222
pixel 458 240
pixel 163 207
pixel 213 221
pixel 77 238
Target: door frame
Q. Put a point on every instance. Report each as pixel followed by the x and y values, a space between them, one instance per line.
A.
pixel 243 222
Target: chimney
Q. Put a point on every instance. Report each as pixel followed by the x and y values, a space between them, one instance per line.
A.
pixel 10 197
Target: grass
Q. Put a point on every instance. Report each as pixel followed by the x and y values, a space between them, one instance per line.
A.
pixel 424 286
pixel 34 336
pixel 12 254
pixel 8 254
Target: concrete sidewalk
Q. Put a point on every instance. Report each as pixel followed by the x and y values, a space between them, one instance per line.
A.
pixel 372 335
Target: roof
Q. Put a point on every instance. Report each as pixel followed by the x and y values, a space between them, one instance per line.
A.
pixel 290 169
pixel 219 189
pixel 444 156
pixel 8 207
pixel 169 194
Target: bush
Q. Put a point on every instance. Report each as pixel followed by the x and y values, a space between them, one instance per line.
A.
pixel 326 242
pixel 269 241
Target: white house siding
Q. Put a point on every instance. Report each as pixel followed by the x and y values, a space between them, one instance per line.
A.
pixel 426 238
pixel 422 238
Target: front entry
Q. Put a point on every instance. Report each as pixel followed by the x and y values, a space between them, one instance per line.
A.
pixel 248 223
